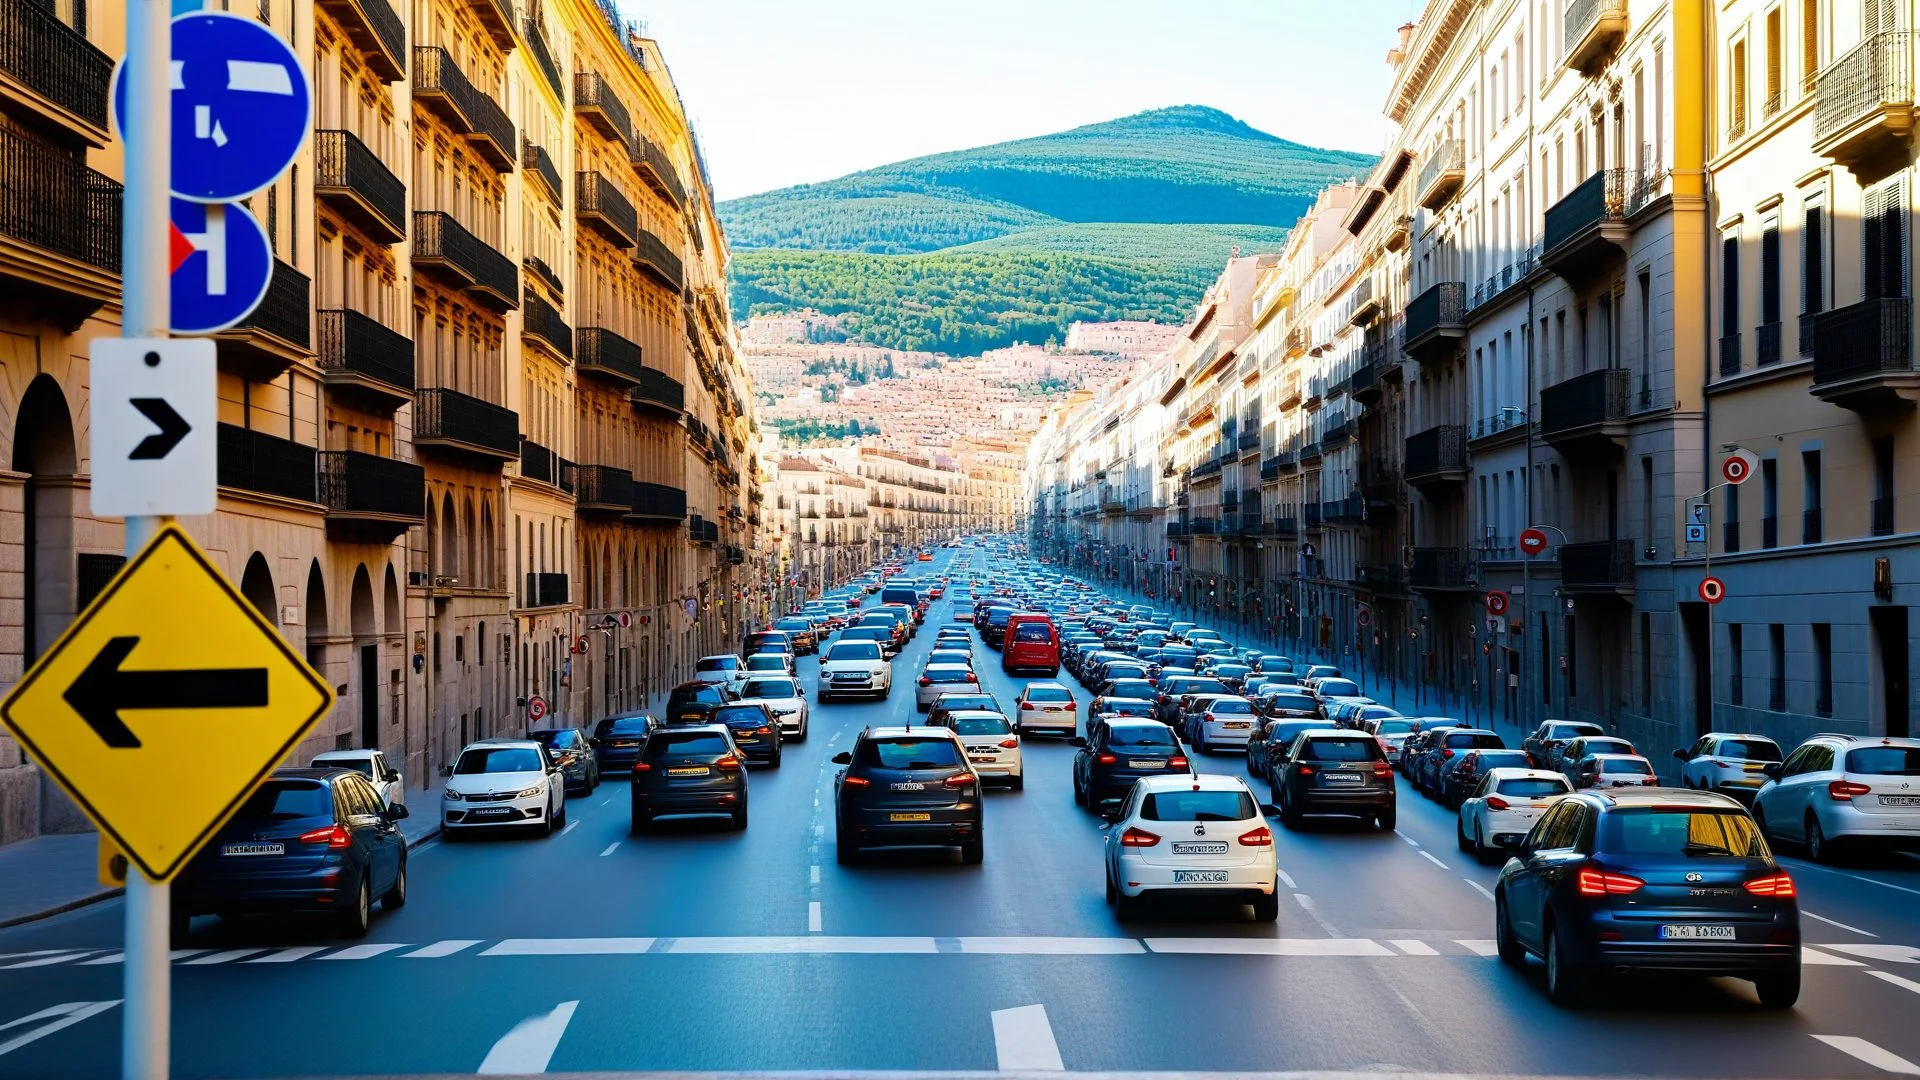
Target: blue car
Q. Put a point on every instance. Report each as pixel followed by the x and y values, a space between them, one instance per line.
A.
pixel 616 741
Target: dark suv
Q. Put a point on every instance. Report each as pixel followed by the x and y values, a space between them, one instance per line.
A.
pixel 689 770
pixel 1118 751
pixel 616 741
pixel 1334 771
pixel 907 787
pixel 755 731
pixel 694 702
pixel 1649 879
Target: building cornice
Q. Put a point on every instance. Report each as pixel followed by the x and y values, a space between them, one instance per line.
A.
pixel 1440 24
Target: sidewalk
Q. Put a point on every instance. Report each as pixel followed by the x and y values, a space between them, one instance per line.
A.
pixel 48 875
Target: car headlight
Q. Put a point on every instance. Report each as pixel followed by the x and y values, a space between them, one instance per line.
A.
pixel 531 792
pixel 451 796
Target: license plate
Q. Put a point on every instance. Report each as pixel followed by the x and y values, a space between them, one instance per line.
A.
pixel 983 757
pixel 1237 725
pixel 1147 763
pixel 910 786
pixel 623 745
pixel 1754 768
pixel 1200 877
pixel 1050 708
pixel 1200 847
pixel 1900 800
pixel 491 811
pixel 692 770
pixel 254 849
pixel 909 817
pixel 1696 933
pixel 1342 778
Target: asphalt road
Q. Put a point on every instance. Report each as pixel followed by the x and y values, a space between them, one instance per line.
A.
pixel 697 948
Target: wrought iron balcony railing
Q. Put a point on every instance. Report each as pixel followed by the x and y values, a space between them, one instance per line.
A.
pixel 359 184
pixel 544 590
pixel 1437 453
pixel 607 354
pixel 376 30
pixel 1597 565
pixel 450 419
pixel 440 243
pixel 361 486
pixel 595 102
pixel 357 351
pixel 600 203
pixel 658 501
pixel 541 320
pixel 659 392
pixel 542 55
pixel 50 200
pixel 1596 397
pixel 440 84
pixel 43 53
pixel 255 461
pixel 537 159
pixel 603 487
pixel 657 169
pixel 653 255
pixel 1869 85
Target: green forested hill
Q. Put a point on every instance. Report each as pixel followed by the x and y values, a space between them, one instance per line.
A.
pixel 1201 248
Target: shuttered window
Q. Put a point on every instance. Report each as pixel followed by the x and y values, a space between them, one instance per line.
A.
pixel 1729 286
pixel 1770 274
pixel 1884 249
pixel 1813 262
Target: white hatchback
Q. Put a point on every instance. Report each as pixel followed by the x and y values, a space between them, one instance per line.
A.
pixel 1506 803
pixel 503 782
pixel 1046 706
pixel 784 698
pixel 993 747
pixel 1190 836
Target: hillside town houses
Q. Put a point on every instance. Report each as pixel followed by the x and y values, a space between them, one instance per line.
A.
pixel 1469 426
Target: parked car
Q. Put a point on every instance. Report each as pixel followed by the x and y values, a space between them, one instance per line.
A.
pixel 570 750
pixel 1544 742
pixel 1731 764
pixel 373 765
pixel 1837 791
pixel 1503 806
pixel 696 769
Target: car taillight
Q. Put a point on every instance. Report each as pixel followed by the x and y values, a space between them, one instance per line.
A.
pixel 971 678
pixel 1177 761
pixel 1259 837
pixel 1138 837
pixel 1010 744
pixel 855 781
pixel 334 836
pixel 1382 769
pixel 1772 885
pixel 1725 765
pixel 1495 802
pixel 641 766
pixel 1446 752
pixel 1073 706
pixel 1845 790
pixel 1106 759
pixel 1306 770
pixel 728 764
pixel 959 780
pixel 765 731
pixel 1601 883
pixel 924 681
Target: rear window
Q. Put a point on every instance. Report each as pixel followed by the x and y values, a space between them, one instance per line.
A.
pixel 687 742
pixel 622 725
pixel 769 688
pixel 284 799
pixel 705 694
pixel 1330 749
pixel 363 766
pixel 1530 788
pixel 1884 761
pixel 1657 831
pixel 556 740
pixel 498 759
pixel 739 714
pixel 1395 727
pixel 1198 806
pixel 904 753
pixel 981 725
pixel 1502 759
pixel 1339 688
pixel 1033 633
pixel 767 661
pixel 1624 765
pixel 1205 686
pixel 1470 740
pixel 1141 735
pixel 854 650
pixel 1232 670
pixel 717 663
pixel 1285 733
pixel 1292 701
pixel 1049 693
pixel 953 673
pixel 956 702
pixel 1570 731
pixel 1230 707
pixel 796 624
pixel 1113 707
pixel 1751 750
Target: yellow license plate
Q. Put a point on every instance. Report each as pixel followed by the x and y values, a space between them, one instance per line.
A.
pixel 700 770
pixel 909 817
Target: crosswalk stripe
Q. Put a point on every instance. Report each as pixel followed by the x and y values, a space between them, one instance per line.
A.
pixel 569 946
pixel 287 955
pixel 1413 948
pixel 1478 946
pixel 440 948
pixel 222 957
pixel 1270 946
pixel 1051 946
pixel 363 952
pixel 1823 959
pixel 809 944
pixel 46 961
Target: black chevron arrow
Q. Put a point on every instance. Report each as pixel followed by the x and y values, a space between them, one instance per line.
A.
pixel 105 688
pixel 172 429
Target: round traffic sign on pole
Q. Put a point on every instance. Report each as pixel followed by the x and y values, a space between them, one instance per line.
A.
pixel 1496 602
pixel 536 707
pixel 1712 589
pixel 1738 466
pixel 1365 615
pixel 1533 541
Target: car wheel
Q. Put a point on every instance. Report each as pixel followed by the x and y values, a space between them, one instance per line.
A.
pixel 642 823
pixel 560 818
pixel 1079 791
pixel 1779 991
pixel 1112 893
pixel 844 853
pixel 1019 781
pixel 396 897
pixel 775 760
pixel 356 919
pixel 1387 819
pixel 740 818
pixel 1266 908
pixel 1566 985
pixel 1127 908
pixel 973 852
pixel 1289 816
pixel 1760 820
pixel 1817 847
pixel 1460 835
pixel 1511 952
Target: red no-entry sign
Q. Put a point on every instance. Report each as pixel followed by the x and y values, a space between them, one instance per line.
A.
pixel 1496 603
pixel 1712 589
pixel 1533 541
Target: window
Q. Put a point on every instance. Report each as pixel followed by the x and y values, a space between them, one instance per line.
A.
pixel 1776 667
pixel 1884 242
pixel 907 753
pixel 1730 526
pixel 1646 499
pixel 1737 675
pixel 1199 806
pixel 1646 663
pixel 1880 521
pixel 1769 330
pixel 1810 531
pixel 1737 94
pixel 1646 339
pixel 1730 305
pixel 1776 93
pixel 1823 668
pixel 1809 44
pixel 1813 272
pixel 1769 503
pixel 1659 831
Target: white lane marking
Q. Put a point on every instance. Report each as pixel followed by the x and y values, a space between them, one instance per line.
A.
pixel 1023 1040
pixel 31 953
pixel 528 1048
pixel 116 958
pixel 1270 946
pixel 1286 879
pixel 813 875
pixel 1407 838
pixel 569 946
pixel 1873 1055
pixel 364 952
pixel 823 944
pixel 1893 954
pixel 1478 946
pixel 441 948
pixel 609 849
pixel 813 916
pixel 288 955
pixel 1413 948
pixel 606 800
pixel 1306 903
pixel 1835 922
pixel 47 961
pixel 1816 958
pixel 1904 984
pixel 61 1016
pixel 571 825
pixel 1477 887
pixel 223 957
pixel 1797 864
pixel 1428 855
pixel 1051 946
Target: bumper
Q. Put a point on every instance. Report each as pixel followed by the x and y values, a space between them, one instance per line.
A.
pixel 327 888
pixel 757 751
pixel 871 828
pixel 1245 881
pixel 1045 721
pixel 789 723
pixel 1848 823
pixel 1694 957
pixel 471 815
pixel 579 777
pixel 617 761
pixel 1218 736
pixel 1326 801
pixel 693 802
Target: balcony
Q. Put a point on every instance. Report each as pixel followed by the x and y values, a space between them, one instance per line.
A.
pixel 278 334
pixel 1365 384
pixel 1348 511
pixel 1443 569
pixel 1380 578
pixel 654 256
pixel 1338 431
pixel 497 18
pixel 51 68
pixel 1366 305
pixel 1382 485
pixel 264 464
pixel 359 186
pixel 595 102
pixel 1435 322
pixel 657 502
pixel 1441 174
pixel 1880 517
pixel 1730 354
pixel 1309 452
pixel 440 85
pixel 1766 344
pixel 59 229
pixel 603 489
pixel 451 421
pixel 540 163
pixel 1436 459
pixel 609 356
pixel 1586 232
pixel 444 246
pixel 1399 232
pixel 1284 527
pixel 1593 30
pixel 599 203
pixel 702 531
pixel 369 498
pixel 364 360
pixel 1600 566
pixel 1863 355
pixel 1586 416
pixel 658 393
pixel 1312 513
pixel 376 31
pixel 1863 105
pixel 541 321
pixel 540 464
pixel 657 170
pixel 542 54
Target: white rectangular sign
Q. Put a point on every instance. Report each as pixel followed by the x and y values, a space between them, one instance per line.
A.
pixel 152 424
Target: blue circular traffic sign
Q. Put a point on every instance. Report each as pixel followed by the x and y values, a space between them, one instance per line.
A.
pixel 221 266
pixel 241 106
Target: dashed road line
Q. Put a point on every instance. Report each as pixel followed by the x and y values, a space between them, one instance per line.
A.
pixel 364 952
pixel 1798 864
pixel 813 916
pixel 569 946
pixel 1428 855
pixel 1413 948
pixel 223 957
pixel 55 1017
pixel 527 1049
pixel 1407 838
pixel 813 875
pixel 1478 946
pixel 609 849
pixel 571 825
pixel 1286 879
pixel 1816 958
pixel 47 961
pixel 441 948
pixel 288 955
pixel 1875 1056
pixel 1904 984
pixel 1023 1040
pixel 1836 922
pixel 1477 887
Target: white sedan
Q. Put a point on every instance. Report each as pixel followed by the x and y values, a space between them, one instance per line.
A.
pixel 1196 837
pixel 1046 706
pixel 783 697
pixel 993 747
pixel 371 764
pixel 503 782
pixel 855 667
pixel 1506 803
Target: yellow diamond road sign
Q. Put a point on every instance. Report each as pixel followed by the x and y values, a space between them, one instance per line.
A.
pixel 165 704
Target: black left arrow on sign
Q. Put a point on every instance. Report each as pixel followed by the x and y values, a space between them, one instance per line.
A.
pixel 105 688
pixel 172 429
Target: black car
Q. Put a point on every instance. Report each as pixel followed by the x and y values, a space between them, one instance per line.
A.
pixel 1334 771
pixel 694 702
pixel 689 770
pixel 574 753
pixel 993 629
pixel 1270 748
pixel 1462 778
pixel 959 701
pixel 907 787
pixel 616 741
pixel 755 731
pixel 1119 751
pixel 307 840
pixel 1649 880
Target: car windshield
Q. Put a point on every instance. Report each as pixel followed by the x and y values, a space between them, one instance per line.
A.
pixel 1749 749
pixel 1227 671
pixel 854 650
pixel 1331 749
pixel 281 800
pixel 687 742
pixel 717 663
pixel 1474 740
pixel 948 673
pixel 1049 693
pixel 1395 726
pixel 981 725
pixel 555 740
pixel 796 624
pixel 907 753
pixel 363 766
pixel 769 688
pixel 1198 806
pixel 1113 707
pixel 1625 765
pixel 1528 787
pixel 1885 761
pixel 957 702
pixel 1230 707
pixel 498 759
pixel 704 694
pixel 1570 731
pixel 1659 830
pixel 1291 701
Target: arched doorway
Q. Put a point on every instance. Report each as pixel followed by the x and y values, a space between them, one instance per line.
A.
pixel 256 584
pixel 43 449
pixel 366 652
pixel 317 618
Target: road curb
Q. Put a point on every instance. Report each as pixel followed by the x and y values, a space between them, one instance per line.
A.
pixel 61 909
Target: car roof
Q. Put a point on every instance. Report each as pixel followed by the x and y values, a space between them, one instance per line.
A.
pixel 520 743
pixel 947 667
pixel 711 728
pixel 346 755
pixel 1619 757
pixel 894 731
pixel 1123 700
pixel 1194 782
pixel 958 713
pixel 1046 684
pixel 1660 796
pixel 307 773
pixel 1508 772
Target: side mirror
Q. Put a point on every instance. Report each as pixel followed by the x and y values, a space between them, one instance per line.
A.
pixel 593 740
pixel 843 758
pixel 1269 810
pixel 446 770
pixel 396 811
pixel 1771 769
pixel 1112 814
pixel 1681 755
pixel 1515 844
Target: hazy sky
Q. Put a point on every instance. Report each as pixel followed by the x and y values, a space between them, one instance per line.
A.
pixel 791 91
